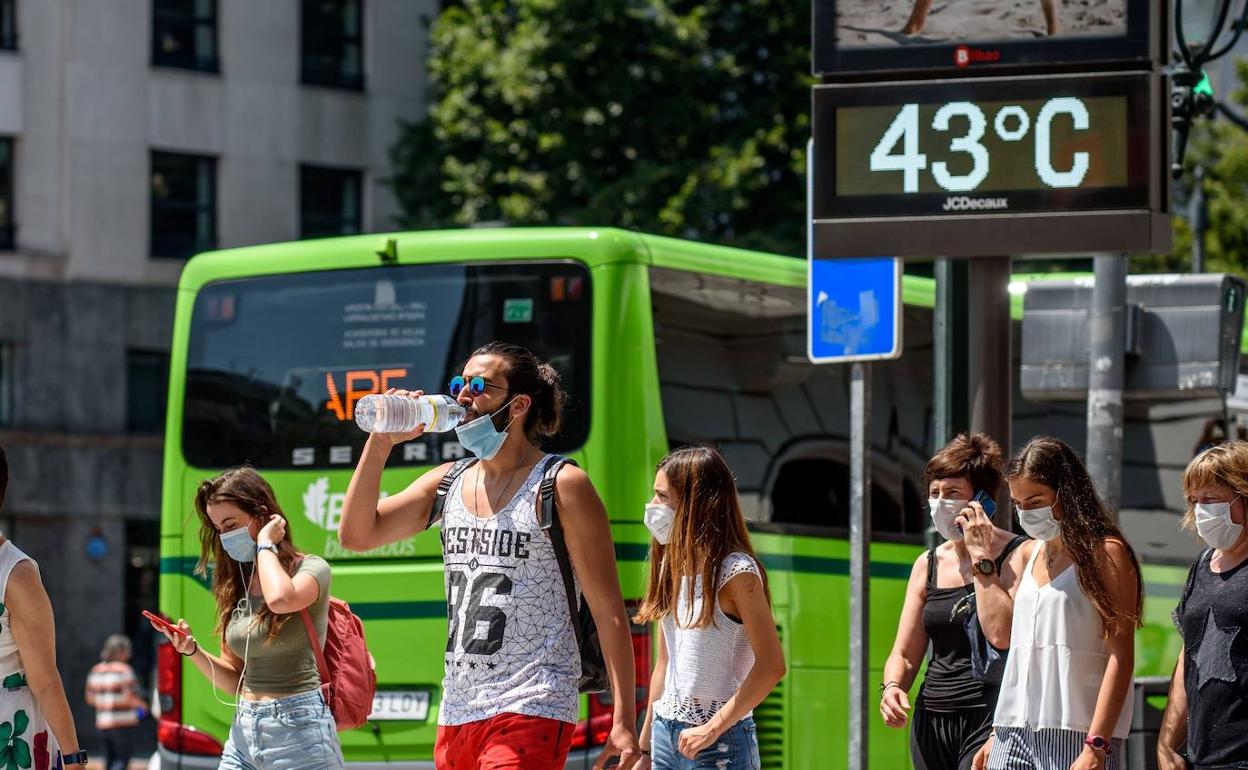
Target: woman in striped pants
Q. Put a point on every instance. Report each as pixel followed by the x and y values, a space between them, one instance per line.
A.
pixel 1063 699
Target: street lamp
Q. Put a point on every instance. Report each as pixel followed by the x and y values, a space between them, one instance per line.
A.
pixel 1198 23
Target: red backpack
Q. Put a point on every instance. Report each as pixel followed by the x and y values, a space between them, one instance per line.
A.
pixel 348 673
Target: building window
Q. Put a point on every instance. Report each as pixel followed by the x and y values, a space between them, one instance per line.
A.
pixel 184 34
pixel 184 204
pixel 329 202
pixel 6 383
pixel 8 25
pixel 333 43
pixel 7 225
pixel 147 383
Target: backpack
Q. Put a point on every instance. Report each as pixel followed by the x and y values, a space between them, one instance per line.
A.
pixel 987 662
pixel 593 665
pixel 348 672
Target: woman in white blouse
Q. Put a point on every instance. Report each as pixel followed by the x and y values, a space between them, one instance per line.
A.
pixel 718 659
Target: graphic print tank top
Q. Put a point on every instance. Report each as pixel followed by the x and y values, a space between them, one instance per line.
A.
pixel 511 647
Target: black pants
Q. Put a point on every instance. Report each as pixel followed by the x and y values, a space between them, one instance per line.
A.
pixel 940 741
pixel 118 747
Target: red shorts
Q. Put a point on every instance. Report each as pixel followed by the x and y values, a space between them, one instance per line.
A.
pixel 504 742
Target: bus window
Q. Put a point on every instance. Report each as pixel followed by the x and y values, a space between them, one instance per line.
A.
pixel 733 372
pixel 276 364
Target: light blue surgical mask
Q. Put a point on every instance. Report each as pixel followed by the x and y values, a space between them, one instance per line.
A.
pixel 480 437
pixel 239 544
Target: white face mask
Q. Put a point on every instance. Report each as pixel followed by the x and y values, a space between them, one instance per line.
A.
pixel 659 520
pixel 943 512
pixel 1039 523
pixel 1213 523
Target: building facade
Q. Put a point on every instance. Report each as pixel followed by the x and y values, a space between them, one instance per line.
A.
pixel 133 134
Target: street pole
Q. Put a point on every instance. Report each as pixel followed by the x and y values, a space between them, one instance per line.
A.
pixel 1106 356
pixel 949 345
pixel 1198 217
pixel 990 366
pixel 859 560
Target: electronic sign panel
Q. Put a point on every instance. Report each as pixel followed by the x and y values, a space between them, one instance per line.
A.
pixel 854 36
pixel 976 150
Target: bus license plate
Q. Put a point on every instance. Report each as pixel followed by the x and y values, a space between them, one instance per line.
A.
pixel 401 704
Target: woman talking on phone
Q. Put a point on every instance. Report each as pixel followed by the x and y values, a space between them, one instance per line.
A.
pixel 261 584
pixel 954 710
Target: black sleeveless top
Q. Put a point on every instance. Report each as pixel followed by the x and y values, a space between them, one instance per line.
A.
pixel 948 685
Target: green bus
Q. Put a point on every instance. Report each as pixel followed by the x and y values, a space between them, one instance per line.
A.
pixel 660 342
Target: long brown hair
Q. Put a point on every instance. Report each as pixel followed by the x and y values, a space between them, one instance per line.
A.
pixel 709 525
pixel 1086 524
pixel 249 491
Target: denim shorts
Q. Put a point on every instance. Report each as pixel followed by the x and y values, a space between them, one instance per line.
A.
pixel 736 749
pixel 292 733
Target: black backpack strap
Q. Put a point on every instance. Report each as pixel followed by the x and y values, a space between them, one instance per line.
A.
pixel 1009 549
pixel 444 488
pixel 548 519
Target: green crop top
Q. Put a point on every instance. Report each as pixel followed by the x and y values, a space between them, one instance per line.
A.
pixel 285 665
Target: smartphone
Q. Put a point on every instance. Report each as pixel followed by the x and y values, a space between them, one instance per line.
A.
pixel 985 501
pixel 158 620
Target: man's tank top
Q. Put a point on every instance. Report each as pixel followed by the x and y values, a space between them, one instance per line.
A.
pixel 511 647
pixel 948 685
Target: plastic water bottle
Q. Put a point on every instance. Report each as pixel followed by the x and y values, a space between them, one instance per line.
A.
pixel 381 413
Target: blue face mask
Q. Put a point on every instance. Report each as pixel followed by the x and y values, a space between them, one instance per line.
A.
pixel 480 437
pixel 239 544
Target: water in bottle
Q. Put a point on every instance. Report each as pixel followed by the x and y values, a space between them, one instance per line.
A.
pixel 380 413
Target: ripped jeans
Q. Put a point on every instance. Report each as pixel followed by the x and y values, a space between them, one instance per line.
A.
pixel 736 749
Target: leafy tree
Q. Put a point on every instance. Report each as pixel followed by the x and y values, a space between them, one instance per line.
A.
pixel 679 117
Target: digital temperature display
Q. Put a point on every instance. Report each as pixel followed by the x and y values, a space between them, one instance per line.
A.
pixel 976 149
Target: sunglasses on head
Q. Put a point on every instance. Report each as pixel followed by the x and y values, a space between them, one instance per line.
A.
pixel 475 385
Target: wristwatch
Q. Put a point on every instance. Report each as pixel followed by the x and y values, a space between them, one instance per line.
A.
pixel 266 547
pixel 985 566
pixel 1098 743
pixel 77 758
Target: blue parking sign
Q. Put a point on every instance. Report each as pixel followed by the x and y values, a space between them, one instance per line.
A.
pixel 853 310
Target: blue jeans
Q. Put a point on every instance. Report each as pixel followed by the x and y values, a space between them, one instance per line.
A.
pixel 292 733
pixel 736 749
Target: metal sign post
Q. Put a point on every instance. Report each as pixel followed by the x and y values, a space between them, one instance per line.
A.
pixel 859 560
pixel 1105 376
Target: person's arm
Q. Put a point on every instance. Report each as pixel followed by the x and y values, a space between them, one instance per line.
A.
pixel 657 677
pixel 1173 731
pixel 369 522
pixel 994 596
pixel 744 593
pixel 283 593
pixel 89 695
pixel 222 672
pixel 909 647
pixel 34 630
pixel 1120 577
pixel 592 551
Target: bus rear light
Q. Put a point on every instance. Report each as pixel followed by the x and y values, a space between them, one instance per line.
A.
pixel 170 732
pixel 595 730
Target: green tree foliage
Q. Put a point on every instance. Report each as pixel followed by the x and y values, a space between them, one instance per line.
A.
pixel 682 118
pixel 1221 148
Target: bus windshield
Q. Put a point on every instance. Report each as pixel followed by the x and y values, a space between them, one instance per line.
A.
pixel 276 364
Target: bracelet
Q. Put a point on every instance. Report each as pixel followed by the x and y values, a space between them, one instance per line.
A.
pixel 192 652
pixel 885 685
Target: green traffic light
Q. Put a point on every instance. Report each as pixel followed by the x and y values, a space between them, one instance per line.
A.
pixel 1204 86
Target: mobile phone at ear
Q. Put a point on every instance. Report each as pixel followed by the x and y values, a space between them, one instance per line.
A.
pixel 158 620
pixel 985 501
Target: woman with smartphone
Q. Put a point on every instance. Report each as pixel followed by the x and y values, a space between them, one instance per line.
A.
pixel 262 583
pixel 953 714
pixel 1064 693
pixel 34 712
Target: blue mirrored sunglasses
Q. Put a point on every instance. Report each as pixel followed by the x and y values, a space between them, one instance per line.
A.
pixel 476 385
